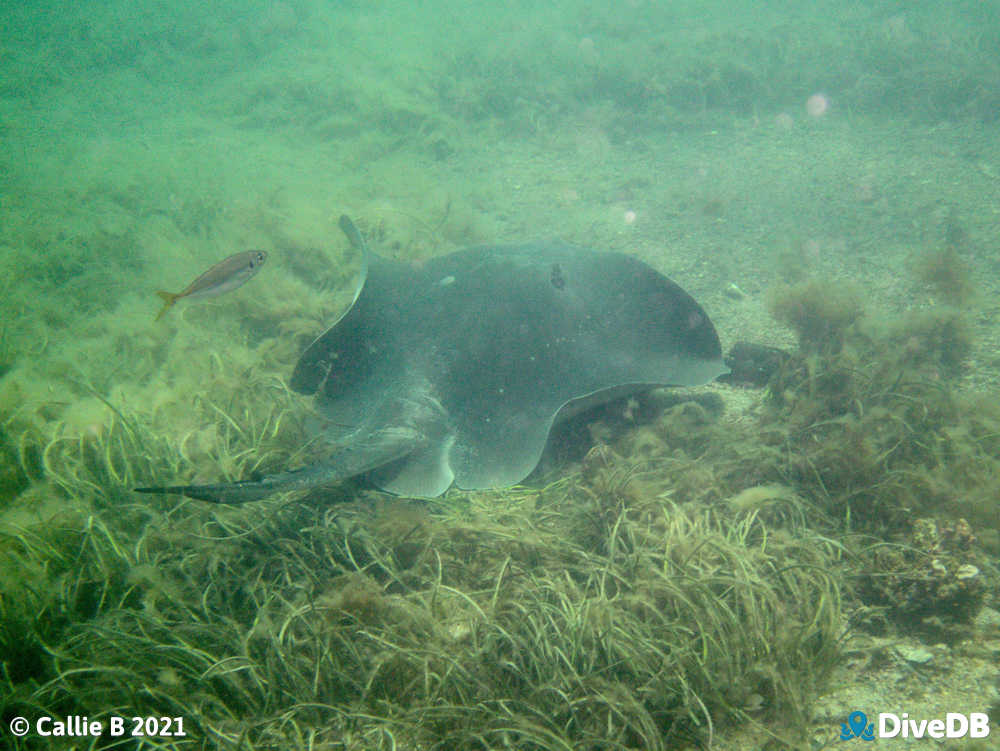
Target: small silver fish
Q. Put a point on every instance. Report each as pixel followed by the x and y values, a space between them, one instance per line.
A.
pixel 224 276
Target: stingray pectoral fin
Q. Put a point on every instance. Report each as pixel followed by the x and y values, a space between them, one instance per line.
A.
pixel 348 460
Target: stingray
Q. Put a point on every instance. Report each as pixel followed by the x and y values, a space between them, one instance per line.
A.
pixel 454 371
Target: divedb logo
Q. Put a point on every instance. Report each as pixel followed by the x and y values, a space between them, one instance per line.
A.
pixel 954 725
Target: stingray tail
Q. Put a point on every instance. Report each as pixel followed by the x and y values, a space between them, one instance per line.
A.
pixel 360 456
pixel 169 298
pixel 248 490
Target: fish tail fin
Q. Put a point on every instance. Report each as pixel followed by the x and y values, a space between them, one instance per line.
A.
pixel 169 298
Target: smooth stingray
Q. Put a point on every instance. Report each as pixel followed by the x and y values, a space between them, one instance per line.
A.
pixel 453 372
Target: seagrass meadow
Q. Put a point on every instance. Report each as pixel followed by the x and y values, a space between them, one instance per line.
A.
pixel 736 566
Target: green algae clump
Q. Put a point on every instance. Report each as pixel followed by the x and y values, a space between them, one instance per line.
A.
pixel 819 312
pixel 948 275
